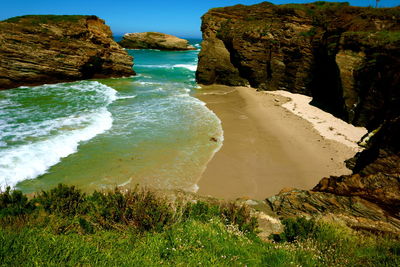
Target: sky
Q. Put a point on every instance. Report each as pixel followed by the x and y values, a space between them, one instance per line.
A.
pixel 177 17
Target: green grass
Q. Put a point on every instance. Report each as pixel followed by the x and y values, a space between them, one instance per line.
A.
pixel 374 38
pixel 43 19
pixel 310 33
pixel 66 227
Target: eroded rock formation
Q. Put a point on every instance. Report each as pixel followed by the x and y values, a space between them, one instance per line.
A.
pixel 48 49
pixel 348 60
pixel 154 40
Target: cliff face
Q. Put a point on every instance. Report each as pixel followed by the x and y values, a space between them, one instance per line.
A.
pixel 48 49
pixel 154 40
pixel 348 60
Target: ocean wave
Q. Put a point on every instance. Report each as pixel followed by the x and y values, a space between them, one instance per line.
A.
pixel 149 83
pixel 29 122
pixel 191 67
pixel 127 97
pixel 154 66
pixel 31 160
pixel 30 146
pixel 187 66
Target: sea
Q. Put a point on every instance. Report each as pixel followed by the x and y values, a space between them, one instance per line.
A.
pixel 147 130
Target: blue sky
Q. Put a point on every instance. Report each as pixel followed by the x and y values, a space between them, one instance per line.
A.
pixel 178 17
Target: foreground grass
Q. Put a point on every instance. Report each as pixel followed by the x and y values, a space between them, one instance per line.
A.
pixel 66 227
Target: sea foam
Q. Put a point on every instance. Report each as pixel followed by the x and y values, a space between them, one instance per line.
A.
pixel 34 147
pixel 187 66
pixel 190 67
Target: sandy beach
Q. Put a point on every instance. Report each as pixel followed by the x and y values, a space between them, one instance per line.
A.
pixel 267 147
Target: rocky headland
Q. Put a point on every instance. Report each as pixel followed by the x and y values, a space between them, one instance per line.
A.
pixel 348 60
pixel 38 49
pixel 154 40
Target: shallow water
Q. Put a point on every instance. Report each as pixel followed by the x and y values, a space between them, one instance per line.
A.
pixel 147 129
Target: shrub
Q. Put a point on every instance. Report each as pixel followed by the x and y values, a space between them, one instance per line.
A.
pixel 296 229
pixel 240 216
pixel 202 211
pixel 141 209
pixel 150 212
pixel 63 199
pixel 14 203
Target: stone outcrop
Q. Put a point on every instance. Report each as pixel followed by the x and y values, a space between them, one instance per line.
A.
pixel 348 60
pixel 49 49
pixel 154 40
pixel 355 211
pixel 368 199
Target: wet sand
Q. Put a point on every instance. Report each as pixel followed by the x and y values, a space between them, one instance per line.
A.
pixel 266 147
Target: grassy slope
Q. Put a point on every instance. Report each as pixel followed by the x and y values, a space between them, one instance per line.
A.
pixel 66 227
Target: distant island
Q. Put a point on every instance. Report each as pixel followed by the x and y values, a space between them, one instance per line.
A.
pixel 155 40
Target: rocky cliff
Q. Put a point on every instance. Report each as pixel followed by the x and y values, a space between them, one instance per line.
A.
pixel 48 49
pixel 346 58
pixel 154 40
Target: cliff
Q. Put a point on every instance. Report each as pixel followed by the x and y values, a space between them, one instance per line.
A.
pixel 154 40
pixel 49 49
pixel 346 58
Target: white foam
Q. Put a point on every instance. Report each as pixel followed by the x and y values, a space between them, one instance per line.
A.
pixel 126 97
pixel 148 83
pixel 31 160
pixel 166 66
pixel 43 144
pixel 125 183
pixel 109 93
pixel 162 66
pixel 187 66
pixel 144 49
pixel 13 130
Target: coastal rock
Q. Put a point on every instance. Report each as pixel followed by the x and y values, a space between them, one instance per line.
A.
pixel 154 40
pixel 369 199
pixel 346 58
pixel 49 49
pixel 356 212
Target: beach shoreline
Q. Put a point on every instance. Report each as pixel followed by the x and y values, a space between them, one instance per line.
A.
pixel 267 147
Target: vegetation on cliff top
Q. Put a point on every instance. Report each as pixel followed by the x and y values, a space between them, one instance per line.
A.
pixel 65 226
pixel 314 10
pixel 42 19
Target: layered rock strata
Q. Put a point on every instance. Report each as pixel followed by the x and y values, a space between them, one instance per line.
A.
pixel 348 60
pixel 154 40
pixel 49 49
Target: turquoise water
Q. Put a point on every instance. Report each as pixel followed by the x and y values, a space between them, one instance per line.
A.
pixel 146 129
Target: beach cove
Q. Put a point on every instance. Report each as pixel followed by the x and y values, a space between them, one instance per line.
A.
pixel 267 147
